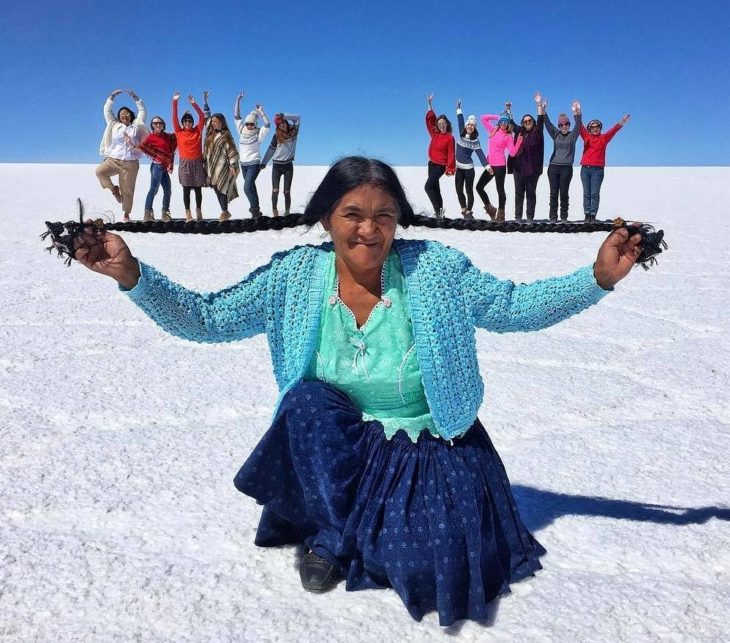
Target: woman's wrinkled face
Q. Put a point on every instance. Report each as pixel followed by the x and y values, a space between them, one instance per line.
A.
pixel 362 226
pixel 125 116
pixel 216 123
pixel 442 125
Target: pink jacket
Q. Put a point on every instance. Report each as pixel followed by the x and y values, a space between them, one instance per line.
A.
pixel 499 141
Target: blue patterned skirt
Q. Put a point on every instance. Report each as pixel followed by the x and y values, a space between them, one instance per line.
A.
pixel 436 522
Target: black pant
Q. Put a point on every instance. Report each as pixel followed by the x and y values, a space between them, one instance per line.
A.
pixel 525 185
pixel 277 171
pixel 222 199
pixel 499 174
pixel 433 190
pixel 559 177
pixel 465 176
pixel 198 197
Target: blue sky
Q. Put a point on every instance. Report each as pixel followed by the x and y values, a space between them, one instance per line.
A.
pixel 359 72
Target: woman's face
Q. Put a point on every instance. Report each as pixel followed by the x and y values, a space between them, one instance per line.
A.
pixel 283 125
pixel 216 123
pixel 470 128
pixel 158 126
pixel 362 227
pixel 187 123
pixel 528 123
pixel 442 125
pixel 595 129
pixel 503 125
pixel 125 116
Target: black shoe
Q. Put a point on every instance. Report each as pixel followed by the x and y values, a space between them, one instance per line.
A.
pixel 318 575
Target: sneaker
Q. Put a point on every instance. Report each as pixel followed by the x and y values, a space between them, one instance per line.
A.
pixel 166 216
pixel 149 215
pixel 224 216
pixel 317 574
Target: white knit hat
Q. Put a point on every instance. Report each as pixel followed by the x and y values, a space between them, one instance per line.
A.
pixel 472 119
pixel 252 117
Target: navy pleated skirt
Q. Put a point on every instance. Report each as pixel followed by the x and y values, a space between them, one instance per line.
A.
pixel 435 521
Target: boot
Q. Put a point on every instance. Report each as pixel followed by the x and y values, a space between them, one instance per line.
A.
pixel 149 215
pixel 198 214
pixel 491 211
pixel 275 212
pixel 188 215
pixel 468 215
pixel 224 216
pixel 553 217
pixel 500 215
pixel 166 215
pixel 255 211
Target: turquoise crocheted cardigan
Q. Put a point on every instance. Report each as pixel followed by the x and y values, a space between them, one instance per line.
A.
pixel 448 298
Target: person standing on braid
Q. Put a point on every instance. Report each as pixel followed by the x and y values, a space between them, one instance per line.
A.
pixel 119 143
pixel 281 153
pixel 527 162
pixel 221 159
pixel 500 143
pixel 593 162
pixel 466 144
pixel 560 167
pixel 191 172
pixel 441 156
pixel 250 137
pixel 160 147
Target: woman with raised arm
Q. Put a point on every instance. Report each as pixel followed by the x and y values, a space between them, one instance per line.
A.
pixel 527 162
pixel 441 156
pixel 593 162
pixel 375 458
pixel 221 160
pixel 160 147
pixel 466 145
pixel 250 137
pixel 281 154
pixel 500 144
pixel 119 147
pixel 560 167
pixel 191 172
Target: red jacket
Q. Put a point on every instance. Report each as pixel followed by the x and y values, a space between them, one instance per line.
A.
pixel 594 145
pixel 160 148
pixel 441 148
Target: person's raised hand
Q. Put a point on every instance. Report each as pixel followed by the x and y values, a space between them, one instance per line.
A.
pixel 191 99
pixel 134 96
pixel 176 96
pixel 107 254
pixel 575 107
pixel 616 257
pixel 625 119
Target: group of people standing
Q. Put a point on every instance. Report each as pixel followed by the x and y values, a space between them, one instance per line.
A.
pixel 208 155
pixel 516 149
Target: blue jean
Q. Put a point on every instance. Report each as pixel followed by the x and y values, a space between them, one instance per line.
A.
pixel 250 172
pixel 591 177
pixel 158 176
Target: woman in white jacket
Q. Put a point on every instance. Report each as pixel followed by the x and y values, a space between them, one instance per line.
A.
pixel 249 148
pixel 122 135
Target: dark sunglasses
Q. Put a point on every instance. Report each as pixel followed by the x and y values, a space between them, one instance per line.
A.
pixel 250 124
pixel 594 127
pixel 563 124
pixel 527 120
pixel 158 123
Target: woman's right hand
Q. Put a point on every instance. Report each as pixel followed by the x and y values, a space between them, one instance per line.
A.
pixel 116 93
pixel 176 96
pixel 107 254
pixel 191 99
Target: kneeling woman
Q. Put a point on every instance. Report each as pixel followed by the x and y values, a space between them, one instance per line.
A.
pixel 376 459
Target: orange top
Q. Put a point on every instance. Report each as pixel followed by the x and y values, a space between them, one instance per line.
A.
pixel 189 141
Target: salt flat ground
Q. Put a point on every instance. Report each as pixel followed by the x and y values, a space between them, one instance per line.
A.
pixel 118 443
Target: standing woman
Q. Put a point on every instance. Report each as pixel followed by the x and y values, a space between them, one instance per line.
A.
pixel 500 142
pixel 281 153
pixel 189 141
pixel 527 162
pixel 593 162
pixel 122 135
pixel 441 156
pixel 560 167
pixel 250 137
pixel 466 144
pixel 160 147
pixel 221 159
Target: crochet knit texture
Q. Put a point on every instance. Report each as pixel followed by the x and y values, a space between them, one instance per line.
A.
pixel 447 295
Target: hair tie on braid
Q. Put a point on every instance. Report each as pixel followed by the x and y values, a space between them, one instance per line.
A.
pixel 62 235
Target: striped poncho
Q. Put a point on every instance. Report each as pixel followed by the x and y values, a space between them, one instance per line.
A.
pixel 220 155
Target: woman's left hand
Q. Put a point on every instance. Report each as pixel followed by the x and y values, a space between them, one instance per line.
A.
pixel 616 257
pixel 232 171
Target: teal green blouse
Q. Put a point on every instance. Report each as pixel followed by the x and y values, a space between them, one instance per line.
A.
pixel 375 365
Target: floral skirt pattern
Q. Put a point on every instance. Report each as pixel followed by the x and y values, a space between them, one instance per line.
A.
pixel 192 173
pixel 435 521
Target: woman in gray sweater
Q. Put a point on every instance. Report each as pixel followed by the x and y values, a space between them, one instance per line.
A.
pixel 560 169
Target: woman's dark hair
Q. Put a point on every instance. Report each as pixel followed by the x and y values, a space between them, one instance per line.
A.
pixel 473 136
pixel 124 109
pixel 448 122
pixel 349 173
